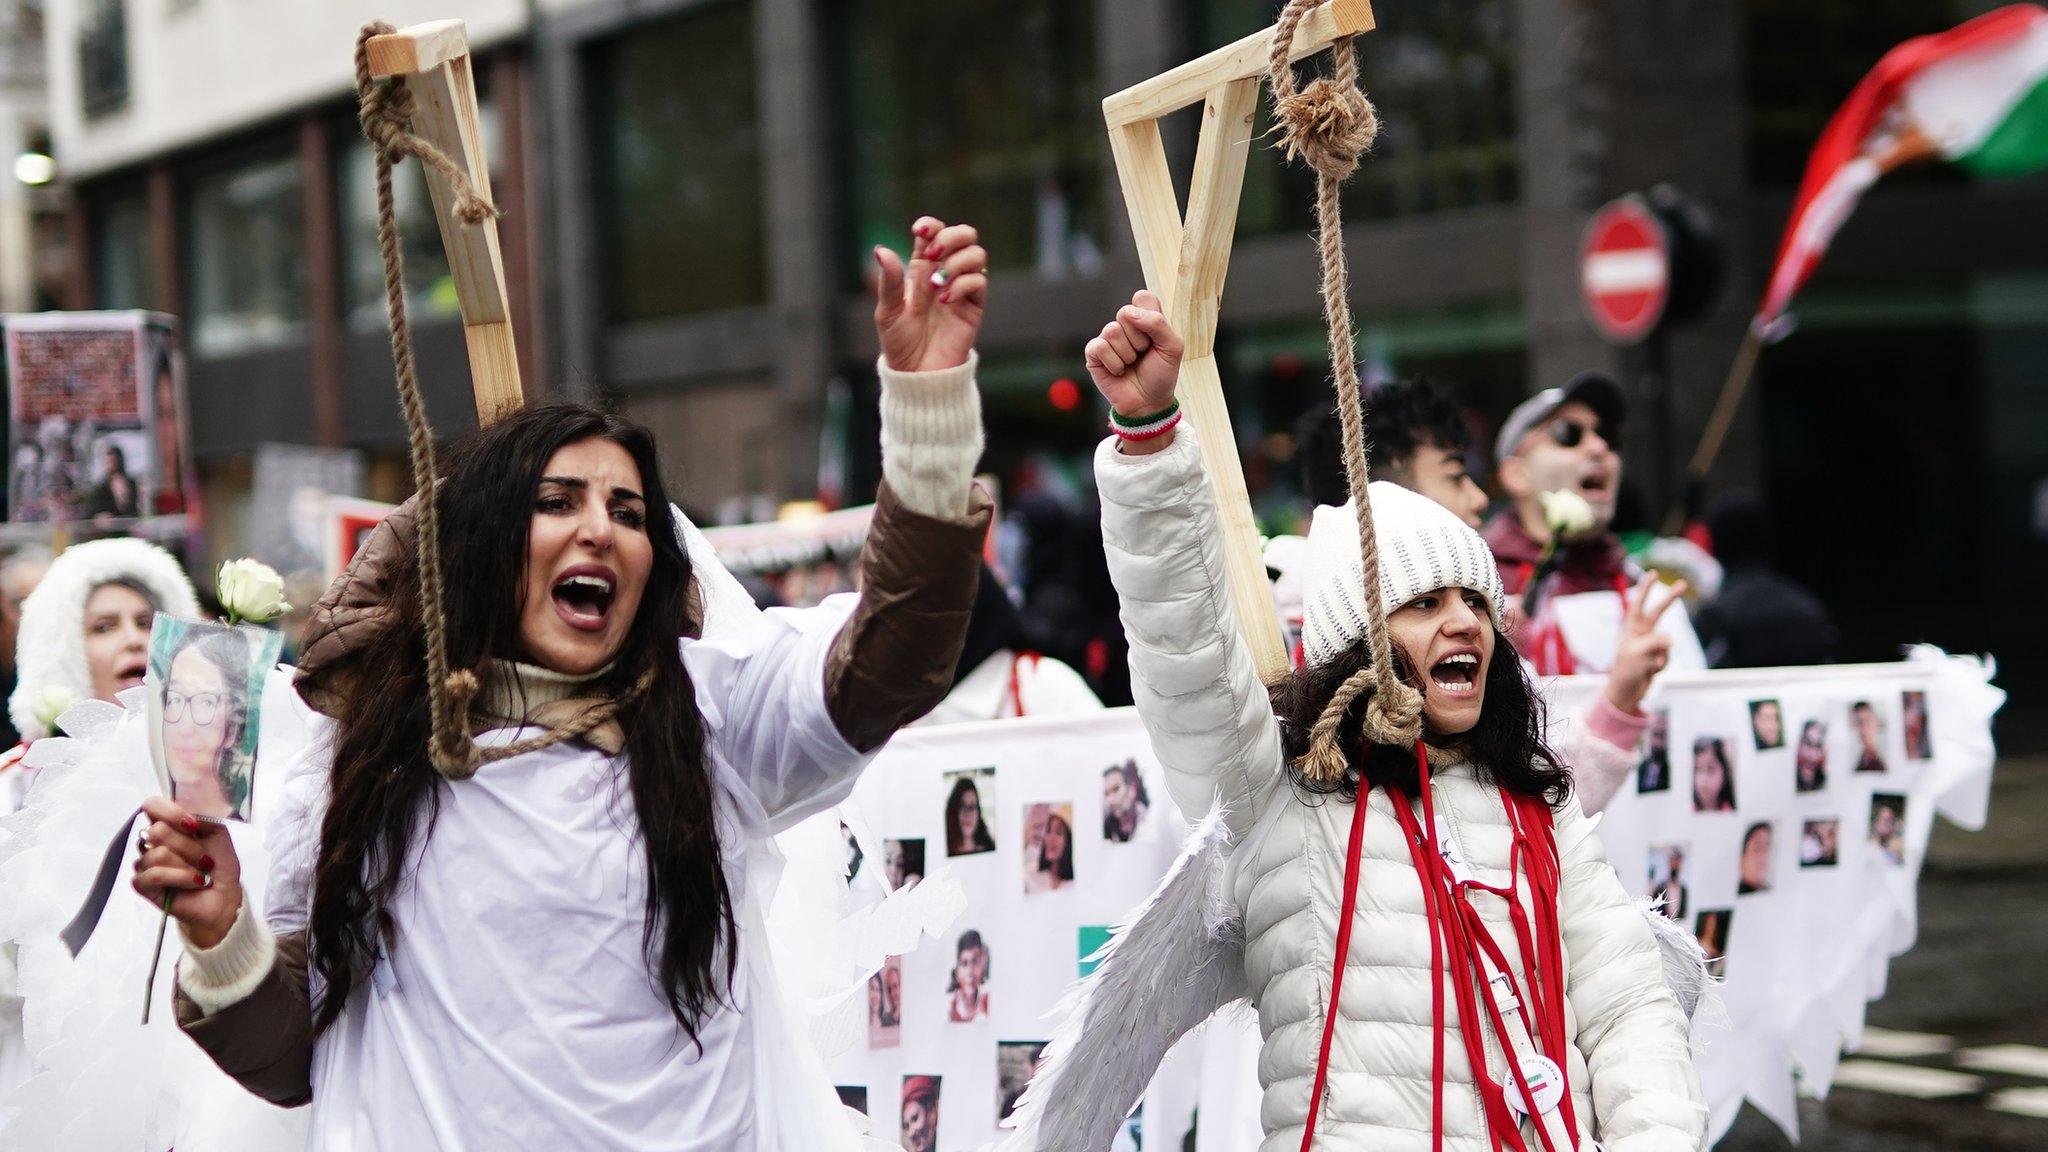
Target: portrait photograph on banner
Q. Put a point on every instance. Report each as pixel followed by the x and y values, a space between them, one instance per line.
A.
pixel 1810 758
pixel 1653 771
pixel 1048 847
pixel 885 1005
pixel 902 862
pixel 96 418
pixel 920 1113
pixel 205 683
pixel 970 805
pixel 1125 801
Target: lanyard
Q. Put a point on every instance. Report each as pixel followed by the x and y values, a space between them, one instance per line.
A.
pixel 1462 948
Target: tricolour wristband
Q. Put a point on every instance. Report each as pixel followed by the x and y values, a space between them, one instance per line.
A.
pixel 1145 427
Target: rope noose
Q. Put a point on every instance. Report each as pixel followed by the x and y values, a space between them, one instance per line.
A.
pixel 386 110
pixel 1328 125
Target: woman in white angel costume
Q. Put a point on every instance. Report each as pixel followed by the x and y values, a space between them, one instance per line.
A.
pixel 563 943
pixel 1430 935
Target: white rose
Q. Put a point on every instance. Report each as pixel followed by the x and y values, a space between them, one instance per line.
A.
pixel 251 591
pixel 1567 513
pixel 51 704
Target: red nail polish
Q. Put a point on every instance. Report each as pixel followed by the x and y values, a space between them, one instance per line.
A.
pixel 920 230
pixel 202 882
pixel 946 297
pixel 206 863
pixel 932 253
pixel 191 825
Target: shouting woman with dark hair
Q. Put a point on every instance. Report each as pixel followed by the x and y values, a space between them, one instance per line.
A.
pixel 1492 955
pixel 565 947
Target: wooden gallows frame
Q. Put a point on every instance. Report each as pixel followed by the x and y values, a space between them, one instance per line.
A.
pixel 1185 258
pixel 434 60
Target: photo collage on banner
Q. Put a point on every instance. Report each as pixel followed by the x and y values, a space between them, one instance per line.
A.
pixel 1774 783
pixel 96 418
pixel 1054 829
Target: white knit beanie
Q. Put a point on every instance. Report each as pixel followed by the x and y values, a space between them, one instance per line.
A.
pixel 1423 547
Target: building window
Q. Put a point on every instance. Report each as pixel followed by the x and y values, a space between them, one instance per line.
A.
pixel 1002 130
pixel 1803 59
pixel 429 285
pixel 247 229
pixel 123 263
pixel 679 166
pixel 1442 76
pixel 103 58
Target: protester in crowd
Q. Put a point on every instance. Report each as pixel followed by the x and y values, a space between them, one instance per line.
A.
pixel 1762 618
pixel 83 635
pixel 1494 801
pixel 420 902
pixel 1564 442
pixel 19 575
pixel 999 677
pixel 1124 801
pixel 1417 437
pixel 1067 605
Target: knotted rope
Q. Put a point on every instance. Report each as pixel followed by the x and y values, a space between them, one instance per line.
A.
pixel 1328 125
pixel 386 108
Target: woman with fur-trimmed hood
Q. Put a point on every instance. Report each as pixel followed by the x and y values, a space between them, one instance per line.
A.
pixel 84 635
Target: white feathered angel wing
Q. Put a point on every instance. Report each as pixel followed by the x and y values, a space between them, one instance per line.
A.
pixel 1165 971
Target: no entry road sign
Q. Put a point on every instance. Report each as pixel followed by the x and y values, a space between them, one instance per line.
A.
pixel 1625 270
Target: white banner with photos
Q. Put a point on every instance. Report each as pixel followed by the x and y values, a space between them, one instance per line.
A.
pixel 1782 815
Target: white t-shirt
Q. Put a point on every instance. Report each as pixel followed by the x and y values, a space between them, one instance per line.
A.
pixel 516 1007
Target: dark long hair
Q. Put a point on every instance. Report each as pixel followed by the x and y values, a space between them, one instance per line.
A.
pixel 385 790
pixel 1507 745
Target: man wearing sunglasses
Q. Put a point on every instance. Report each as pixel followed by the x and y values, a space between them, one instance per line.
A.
pixel 1593 600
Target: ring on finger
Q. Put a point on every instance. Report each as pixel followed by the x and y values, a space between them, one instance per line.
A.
pixel 142 841
pixel 940 278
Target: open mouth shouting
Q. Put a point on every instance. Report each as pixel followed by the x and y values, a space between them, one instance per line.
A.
pixel 130 673
pixel 583 596
pixel 1457 674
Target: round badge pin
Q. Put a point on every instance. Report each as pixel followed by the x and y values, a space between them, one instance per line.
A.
pixel 1546 1081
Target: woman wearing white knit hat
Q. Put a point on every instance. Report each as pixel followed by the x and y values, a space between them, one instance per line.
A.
pixel 1417 828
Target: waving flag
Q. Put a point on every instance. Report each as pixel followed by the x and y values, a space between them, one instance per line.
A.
pixel 1976 95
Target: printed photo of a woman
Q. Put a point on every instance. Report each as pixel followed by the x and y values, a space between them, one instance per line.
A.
pixel 1124 801
pixel 967 829
pixel 207 708
pixel 1810 760
pixel 1712 931
pixel 967 986
pixel 885 1005
pixel 1888 826
pixel 1048 847
pixel 1713 780
pixel 1870 733
pixel 902 862
pixel 1913 723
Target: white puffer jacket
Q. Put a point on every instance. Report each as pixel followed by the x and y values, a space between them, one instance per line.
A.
pixel 1631 1070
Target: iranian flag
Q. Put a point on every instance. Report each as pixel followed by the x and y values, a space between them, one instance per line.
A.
pixel 1976 95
